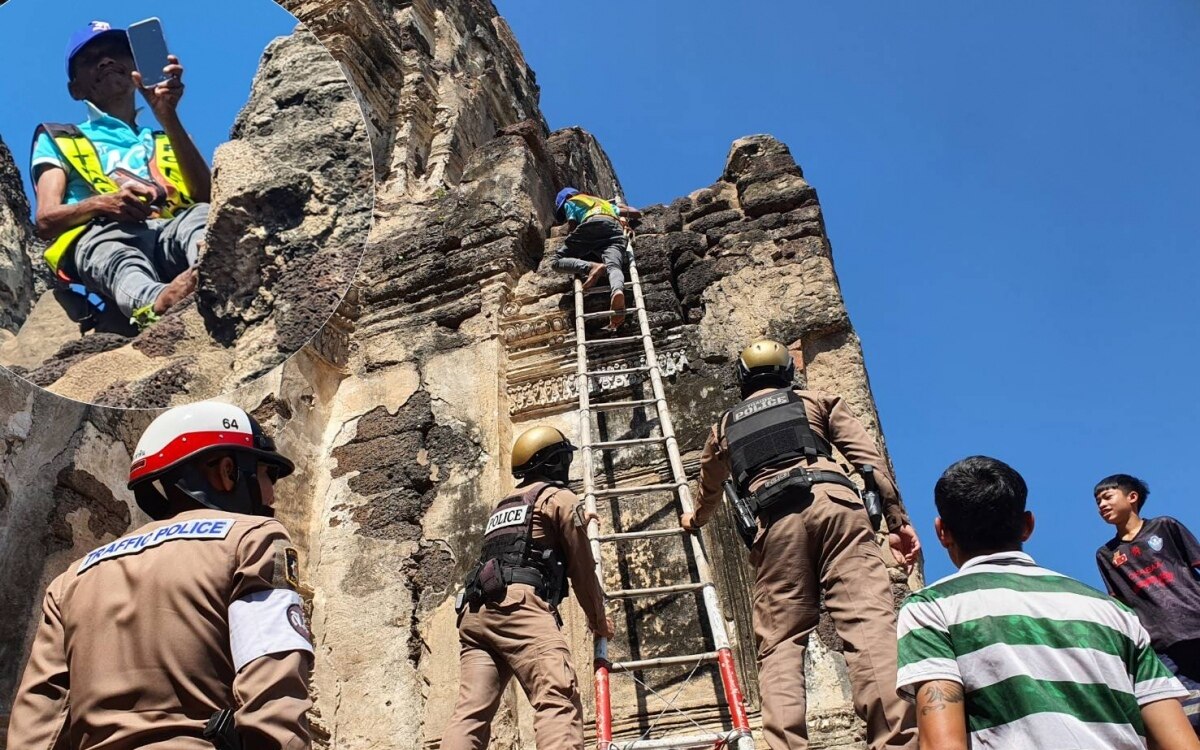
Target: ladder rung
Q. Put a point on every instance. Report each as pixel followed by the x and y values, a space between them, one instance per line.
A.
pixel 605 289
pixel 664 661
pixel 640 490
pixel 618 340
pixel 607 313
pixel 709 740
pixel 625 443
pixel 623 535
pixel 604 406
pixel 654 591
pixel 622 371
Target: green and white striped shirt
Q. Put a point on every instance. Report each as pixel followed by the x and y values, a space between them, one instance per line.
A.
pixel 1044 660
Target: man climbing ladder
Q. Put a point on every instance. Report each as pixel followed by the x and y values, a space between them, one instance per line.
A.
pixel 597 233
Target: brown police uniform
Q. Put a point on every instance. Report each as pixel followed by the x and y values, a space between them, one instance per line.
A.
pixel 520 636
pixel 135 650
pixel 827 546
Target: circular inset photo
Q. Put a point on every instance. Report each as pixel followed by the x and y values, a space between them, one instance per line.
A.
pixel 185 195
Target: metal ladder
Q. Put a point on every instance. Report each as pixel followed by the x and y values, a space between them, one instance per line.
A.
pixel 738 735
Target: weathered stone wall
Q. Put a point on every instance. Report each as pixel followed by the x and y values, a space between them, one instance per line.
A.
pixel 16 276
pixel 62 472
pixel 291 207
pixel 455 337
pixel 437 80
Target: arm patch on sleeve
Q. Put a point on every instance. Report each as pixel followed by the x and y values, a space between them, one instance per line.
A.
pixel 267 622
pixel 286 573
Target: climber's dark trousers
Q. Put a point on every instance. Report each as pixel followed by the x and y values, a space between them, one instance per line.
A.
pixel 597 240
pixel 132 261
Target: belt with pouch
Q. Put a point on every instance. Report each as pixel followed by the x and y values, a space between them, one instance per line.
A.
pixel 473 594
pixel 791 492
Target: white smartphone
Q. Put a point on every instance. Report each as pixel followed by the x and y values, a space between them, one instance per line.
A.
pixel 149 48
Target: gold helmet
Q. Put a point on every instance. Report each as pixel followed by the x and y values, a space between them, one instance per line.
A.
pixel 765 358
pixel 543 450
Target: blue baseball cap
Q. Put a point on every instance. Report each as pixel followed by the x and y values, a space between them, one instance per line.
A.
pixel 562 197
pixel 88 34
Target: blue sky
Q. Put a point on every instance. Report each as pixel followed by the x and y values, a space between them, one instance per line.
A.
pixel 220 59
pixel 1011 194
pixel 1010 190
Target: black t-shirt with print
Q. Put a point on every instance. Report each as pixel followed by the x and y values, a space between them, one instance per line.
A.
pixel 1155 574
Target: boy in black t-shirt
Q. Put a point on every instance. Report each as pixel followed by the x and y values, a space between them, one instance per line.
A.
pixel 1151 565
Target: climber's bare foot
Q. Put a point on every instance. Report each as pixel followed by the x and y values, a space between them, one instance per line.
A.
pixel 618 308
pixel 594 275
pixel 175 292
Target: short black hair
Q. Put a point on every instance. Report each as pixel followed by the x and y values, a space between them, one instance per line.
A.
pixel 982 503
pixel 1125 483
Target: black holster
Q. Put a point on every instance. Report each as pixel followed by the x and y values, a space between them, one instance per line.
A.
pixel 222 732
pixel 557 585
pixel 743 517
pixel 870 496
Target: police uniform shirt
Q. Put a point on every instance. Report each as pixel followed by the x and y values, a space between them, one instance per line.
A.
pixel 831 419
pixel 143 639
pixel 555 526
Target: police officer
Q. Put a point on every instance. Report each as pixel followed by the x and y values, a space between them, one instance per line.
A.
pixel 813 536
pixel 508 621
pixel 144 639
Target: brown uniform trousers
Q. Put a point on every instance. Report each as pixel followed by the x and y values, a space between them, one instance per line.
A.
pixel 134 650
pixel 520 636
pixel 827 547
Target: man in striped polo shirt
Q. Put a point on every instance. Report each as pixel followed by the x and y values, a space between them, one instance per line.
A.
pixel 1006 654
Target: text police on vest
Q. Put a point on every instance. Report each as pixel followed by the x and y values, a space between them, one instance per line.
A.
pixel 754 407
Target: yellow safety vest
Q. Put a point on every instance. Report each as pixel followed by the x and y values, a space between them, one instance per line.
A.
pixel 595 206
pixel 79 151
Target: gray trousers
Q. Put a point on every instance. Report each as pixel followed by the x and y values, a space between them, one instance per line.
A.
pixel 131 262
pixel 599 240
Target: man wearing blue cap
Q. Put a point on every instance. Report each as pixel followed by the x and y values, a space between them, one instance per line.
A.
pixel 124 206
pixel 596 243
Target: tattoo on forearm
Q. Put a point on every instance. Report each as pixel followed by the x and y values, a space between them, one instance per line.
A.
pixel 937 695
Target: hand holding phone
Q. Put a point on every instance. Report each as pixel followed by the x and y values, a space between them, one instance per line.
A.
pixel 164 97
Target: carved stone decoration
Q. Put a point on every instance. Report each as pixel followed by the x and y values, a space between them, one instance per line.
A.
pixel 332 342
pixel 524 333
pixel 561 389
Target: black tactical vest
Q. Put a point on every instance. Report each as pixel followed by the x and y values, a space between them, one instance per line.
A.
pixel 767 430
pixel 510 555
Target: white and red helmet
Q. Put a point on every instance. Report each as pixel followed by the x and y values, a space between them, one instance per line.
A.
pixel 179 435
